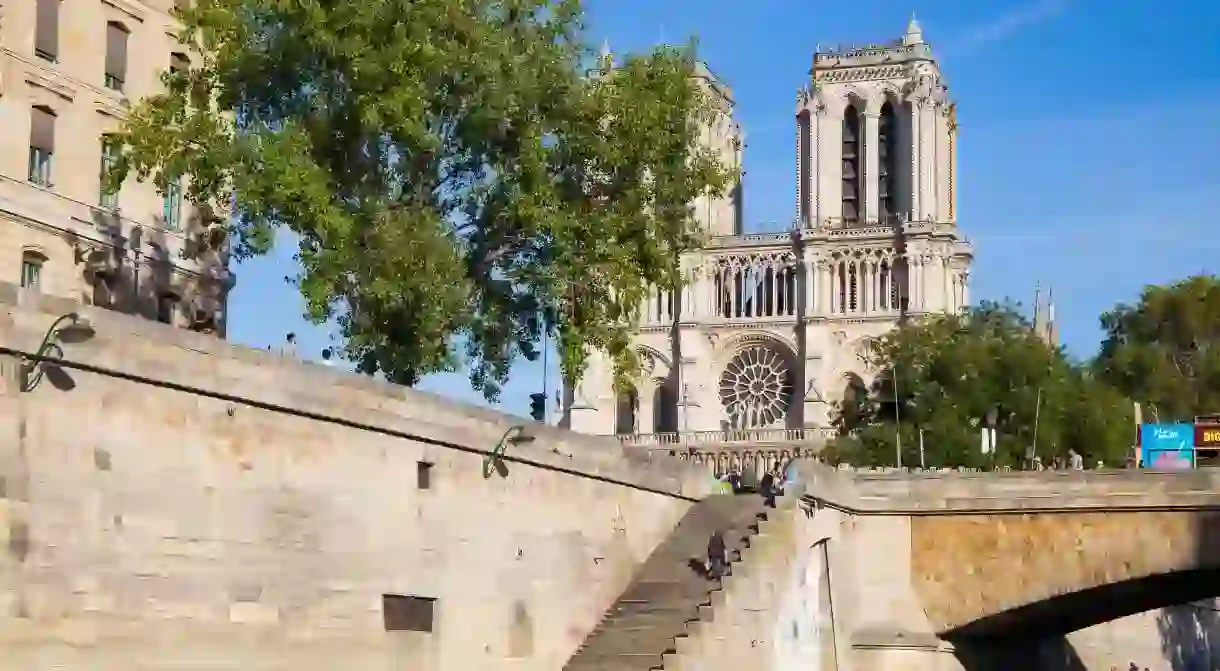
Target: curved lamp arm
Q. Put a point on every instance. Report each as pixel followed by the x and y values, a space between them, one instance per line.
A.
pixel 494 461
pixel 32 369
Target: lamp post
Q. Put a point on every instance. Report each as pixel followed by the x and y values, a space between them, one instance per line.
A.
pixel 69 328
pixel 494 461
pixel 897 420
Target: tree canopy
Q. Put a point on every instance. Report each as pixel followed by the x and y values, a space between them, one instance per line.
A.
pixel 942 375
pixel 1164 351
pixel 456 175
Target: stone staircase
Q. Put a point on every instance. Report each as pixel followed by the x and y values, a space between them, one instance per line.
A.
pixel 644 629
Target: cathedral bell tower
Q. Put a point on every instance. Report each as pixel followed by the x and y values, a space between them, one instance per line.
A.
pixel 876 137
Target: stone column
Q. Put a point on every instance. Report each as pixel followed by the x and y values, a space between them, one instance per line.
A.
pixel 872 165
pixel 926 281
pixel 965 288
pixel 870 287
pixel 913 180
pixel 928 159
pixel 832 287
pixel 823 287
pixel 645 419
pixel 949 281
pixel 815 162
pixel 809 297
pixel 875 285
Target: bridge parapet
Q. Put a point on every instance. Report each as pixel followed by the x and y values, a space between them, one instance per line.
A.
pixel 996 492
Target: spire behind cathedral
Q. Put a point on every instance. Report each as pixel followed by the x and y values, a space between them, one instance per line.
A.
pixel 1045 326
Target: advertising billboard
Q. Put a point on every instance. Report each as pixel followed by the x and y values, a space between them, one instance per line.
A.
pixel 1167 447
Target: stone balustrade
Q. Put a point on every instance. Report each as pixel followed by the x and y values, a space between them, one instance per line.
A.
pixel 749 452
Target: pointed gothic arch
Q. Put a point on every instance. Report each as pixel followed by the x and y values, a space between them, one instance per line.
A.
pixel 852 155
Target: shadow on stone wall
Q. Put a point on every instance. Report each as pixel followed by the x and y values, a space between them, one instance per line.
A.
pixel 1187 630
pixel 1186 634
pixel 131 270
pixel 1053 654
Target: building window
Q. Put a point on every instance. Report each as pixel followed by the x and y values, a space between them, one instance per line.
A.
pixel 116 55
pixel 172 204
pixel 108 198
pixel 408 613
pixel 851 165
pixel 46 30
pixel 167 308
pixel 31 269
pixel 42 144
pixel 887 146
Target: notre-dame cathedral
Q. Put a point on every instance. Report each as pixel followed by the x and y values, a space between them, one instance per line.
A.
pixel 766 336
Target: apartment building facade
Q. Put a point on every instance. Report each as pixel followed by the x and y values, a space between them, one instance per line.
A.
pixel 69 72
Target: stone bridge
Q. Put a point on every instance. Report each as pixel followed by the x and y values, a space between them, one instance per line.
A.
pixel 958 563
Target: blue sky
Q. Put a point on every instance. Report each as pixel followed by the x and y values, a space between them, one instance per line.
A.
pixel 1088 152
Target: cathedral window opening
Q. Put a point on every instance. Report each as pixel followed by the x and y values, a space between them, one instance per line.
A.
pixel 855 396
pixel 896 279
pixel 628 402
pixel 853 292
pixel 851 165
pixel 887 147
pixel 840 277
pixel 884 281
pixel 661 306
pixel 756 388
pixel 665 409
pixel 755 287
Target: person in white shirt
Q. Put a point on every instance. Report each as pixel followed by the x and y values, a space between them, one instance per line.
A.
pixel 1075 461
pixel 289 348
pixel 327 353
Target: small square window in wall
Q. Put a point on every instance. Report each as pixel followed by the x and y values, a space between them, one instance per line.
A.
pixel 408 613
pixel 423 475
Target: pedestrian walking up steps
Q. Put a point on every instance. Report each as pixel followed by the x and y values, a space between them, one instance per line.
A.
pixel 669 593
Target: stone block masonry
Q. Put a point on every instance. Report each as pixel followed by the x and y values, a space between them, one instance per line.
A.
pixel 153 528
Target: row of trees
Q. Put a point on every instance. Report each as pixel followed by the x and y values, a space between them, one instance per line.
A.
pixel 942 376
pixel 464 176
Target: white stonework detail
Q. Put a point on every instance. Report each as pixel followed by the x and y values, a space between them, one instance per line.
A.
pixel 800 303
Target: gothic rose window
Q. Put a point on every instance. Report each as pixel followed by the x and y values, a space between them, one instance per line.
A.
pixel 756 388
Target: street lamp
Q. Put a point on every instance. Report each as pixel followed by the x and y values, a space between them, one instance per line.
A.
pixel 897 420
pixel 68 329
pixel 494 461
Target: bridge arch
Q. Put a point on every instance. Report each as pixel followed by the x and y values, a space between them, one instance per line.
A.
pixel 1021 577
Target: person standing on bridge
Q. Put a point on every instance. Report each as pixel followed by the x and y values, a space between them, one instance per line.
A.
pixel 1075 461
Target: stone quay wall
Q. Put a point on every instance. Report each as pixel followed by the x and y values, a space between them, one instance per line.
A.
pixel 149 527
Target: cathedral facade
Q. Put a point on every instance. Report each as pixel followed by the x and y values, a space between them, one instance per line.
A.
pixel 766 337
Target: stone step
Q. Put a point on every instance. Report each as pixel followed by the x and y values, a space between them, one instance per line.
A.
pixel 663 592
pixel 665 601
pixel 620 662
pixel 633 640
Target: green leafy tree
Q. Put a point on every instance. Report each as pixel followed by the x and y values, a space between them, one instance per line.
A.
pixel 1164 351
pixel 454 173
pixel 942 375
